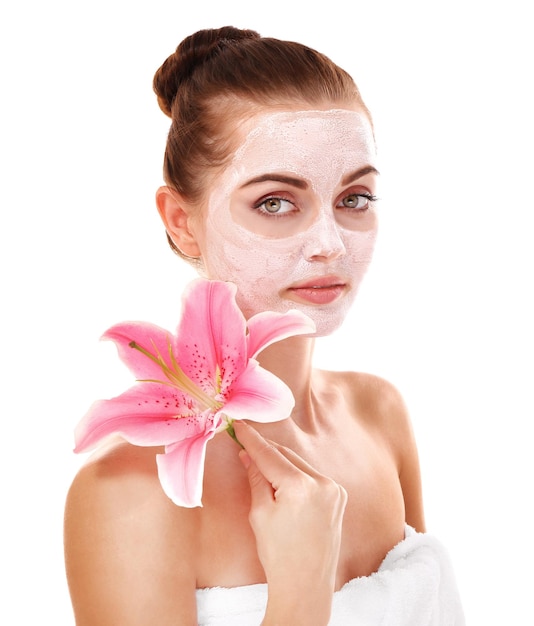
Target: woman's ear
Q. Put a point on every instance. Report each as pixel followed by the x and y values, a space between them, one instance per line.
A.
pixel 177 221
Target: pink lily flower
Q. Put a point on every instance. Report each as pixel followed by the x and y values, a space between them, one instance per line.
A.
pixel 193 384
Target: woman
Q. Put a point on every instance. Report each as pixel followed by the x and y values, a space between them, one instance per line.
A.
pixel 271 176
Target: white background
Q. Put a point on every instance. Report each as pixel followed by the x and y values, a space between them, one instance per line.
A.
pixel 445 312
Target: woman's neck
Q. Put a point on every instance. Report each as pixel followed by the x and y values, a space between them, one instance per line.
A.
pixel 291 361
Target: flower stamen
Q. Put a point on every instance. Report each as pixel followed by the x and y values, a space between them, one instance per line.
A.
pixel 177 377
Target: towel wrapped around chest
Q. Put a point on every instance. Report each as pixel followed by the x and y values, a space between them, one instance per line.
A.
pixel 414 586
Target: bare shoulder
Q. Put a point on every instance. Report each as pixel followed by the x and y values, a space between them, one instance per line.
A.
pixel 374 399
pixel 128 548
pixel 381 410
pixel 117 479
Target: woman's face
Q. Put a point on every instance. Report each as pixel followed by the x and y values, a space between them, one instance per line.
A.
pixel 291 220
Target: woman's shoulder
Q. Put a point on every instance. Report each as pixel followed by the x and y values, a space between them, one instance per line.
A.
pixel 369 391
pixel 375 402
pixel 119 476
pixel 120 525
pixel 380 408
pixel 116 499
pixel 113 486
pixel 112 469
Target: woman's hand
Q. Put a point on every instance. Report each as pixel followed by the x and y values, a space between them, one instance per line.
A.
pixel 296 515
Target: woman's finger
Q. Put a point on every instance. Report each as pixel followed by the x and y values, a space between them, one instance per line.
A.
pixel 296 460
pixel 272 464
pixel 261 489
pixel 257 446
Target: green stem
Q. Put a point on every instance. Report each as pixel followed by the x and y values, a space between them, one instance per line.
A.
pixel 230 430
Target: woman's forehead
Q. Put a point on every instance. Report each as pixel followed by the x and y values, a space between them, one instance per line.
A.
pixel 333 139
pixel 308 123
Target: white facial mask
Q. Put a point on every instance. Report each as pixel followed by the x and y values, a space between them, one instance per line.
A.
pixel 265 259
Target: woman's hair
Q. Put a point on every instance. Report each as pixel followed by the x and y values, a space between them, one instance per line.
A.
pixel 219 75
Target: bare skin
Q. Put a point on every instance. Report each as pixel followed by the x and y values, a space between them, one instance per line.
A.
pixel 135 558
pixel 314 501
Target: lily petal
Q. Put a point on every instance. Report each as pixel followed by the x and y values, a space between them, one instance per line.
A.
pixel 260 396
pixel 211 336
pixel 145 415
pixel 181 469
pixel 148 336
pixel 268 327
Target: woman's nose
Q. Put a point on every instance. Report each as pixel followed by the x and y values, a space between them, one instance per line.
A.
pixel 324 242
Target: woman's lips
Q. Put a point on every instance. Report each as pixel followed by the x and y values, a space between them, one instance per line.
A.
pixel 322 290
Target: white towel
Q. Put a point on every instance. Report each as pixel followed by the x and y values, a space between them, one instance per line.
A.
pixel 414 586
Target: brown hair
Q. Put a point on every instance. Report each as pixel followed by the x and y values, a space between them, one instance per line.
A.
pixel 219 74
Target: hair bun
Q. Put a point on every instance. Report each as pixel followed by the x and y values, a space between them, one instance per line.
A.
pixel 193 52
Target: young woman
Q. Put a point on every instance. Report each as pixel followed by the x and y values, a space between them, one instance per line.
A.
pixel 271 178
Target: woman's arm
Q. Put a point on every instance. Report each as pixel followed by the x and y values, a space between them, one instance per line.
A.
pixel 128 549
pixel 296 514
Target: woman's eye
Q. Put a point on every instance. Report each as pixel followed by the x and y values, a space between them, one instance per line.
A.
pixel 357 201
pixel 275 206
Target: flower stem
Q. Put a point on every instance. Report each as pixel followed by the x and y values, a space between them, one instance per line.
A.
pixel 230 430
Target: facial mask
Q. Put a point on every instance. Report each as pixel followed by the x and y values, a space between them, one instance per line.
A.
pixel 269 257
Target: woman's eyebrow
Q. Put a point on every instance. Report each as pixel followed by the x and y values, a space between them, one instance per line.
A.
pixel 363 171
pixel 280 178
pixel 302 184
